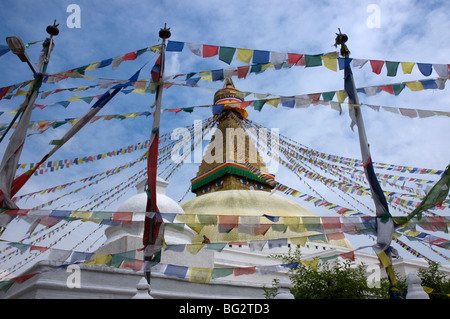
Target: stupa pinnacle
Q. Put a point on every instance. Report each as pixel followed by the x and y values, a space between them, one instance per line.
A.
pixel 223 166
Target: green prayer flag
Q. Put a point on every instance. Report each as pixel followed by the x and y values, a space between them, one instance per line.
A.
pixel 221 272
pixel 258 105
pixel 226 54
pixel 328 96
pixel 59 123
pixel 392 68
pixel 398 88
pixel 188 109
pixel 313 60
pixel 5 285
pixel 256 68
pixel 56 142
pixel 435 196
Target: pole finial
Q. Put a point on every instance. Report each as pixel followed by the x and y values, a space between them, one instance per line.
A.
pixel 53 29
pixel 164 33
pixel 341 38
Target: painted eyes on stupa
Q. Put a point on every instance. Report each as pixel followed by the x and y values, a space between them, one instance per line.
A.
pixel 244 182
pixel 206 189
pixel 219 183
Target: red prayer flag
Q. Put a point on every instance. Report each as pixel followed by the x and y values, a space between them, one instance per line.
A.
pixel 129 56
pixel 39 248
pixel 3 91
pixel 244 270
pixel 314 98
pixel 376 66
pixel 387 88
pixel 123 217
pixel 135 264
pixel 23 278
pixel 242 71
pixel 210 50
pixel 350 255
pixel 294 58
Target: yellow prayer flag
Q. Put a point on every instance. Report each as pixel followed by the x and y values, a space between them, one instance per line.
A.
pixel 85 215
pixel 155 48
pixel 244 55
pixel 81 88
pixel 415 86
pixel 20 92
pixel 200 275
pixel 274 102
pixel 140 91
pixel 407 67
pixel 384 259
pixel 74 98
pixel 428 290
pixel 300 241
pixel 330 62
pixel 206 78
pixel 341 96
pixel 313 264
pixel 92 66
pixel 194 248
pixel 99 260
pixel 266 66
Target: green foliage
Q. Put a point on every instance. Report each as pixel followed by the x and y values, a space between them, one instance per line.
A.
pixel 336 280
pixel 432 277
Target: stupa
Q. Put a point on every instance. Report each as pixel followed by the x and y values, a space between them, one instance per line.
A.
pixel 224 184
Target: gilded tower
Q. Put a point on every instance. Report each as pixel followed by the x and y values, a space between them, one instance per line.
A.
pixel 224 162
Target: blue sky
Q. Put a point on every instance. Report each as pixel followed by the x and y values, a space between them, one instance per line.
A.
pixel 409 31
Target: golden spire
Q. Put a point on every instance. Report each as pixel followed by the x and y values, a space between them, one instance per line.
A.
pixel 223 166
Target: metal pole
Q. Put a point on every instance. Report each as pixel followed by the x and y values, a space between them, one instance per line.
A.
pixel 11 157
pixel 164 34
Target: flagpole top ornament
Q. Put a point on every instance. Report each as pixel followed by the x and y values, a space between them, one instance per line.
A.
pixel 53 29
pixel 164 33
pixel 341 38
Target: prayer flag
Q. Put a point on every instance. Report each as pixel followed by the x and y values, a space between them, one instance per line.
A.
pixel 176 271
pixel 392 68
pixel 407 67
pixel 175 46
pixel 293 58
pixel 330 62
pixel 244 55
pixel 313 60
pixel 200 275
pixel 195 48
pixel 155 73
pixel 376 66
pixel 210 50
pixel 226 54
pixel 4 49
pixel 425 68
pixel 238 271
pixel 101 102
pixel 261 57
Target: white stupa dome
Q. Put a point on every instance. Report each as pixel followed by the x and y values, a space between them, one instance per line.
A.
pixel 126 237
pixel 138 202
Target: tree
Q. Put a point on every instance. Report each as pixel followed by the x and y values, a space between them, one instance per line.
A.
pixel 336 280
pixel 433 278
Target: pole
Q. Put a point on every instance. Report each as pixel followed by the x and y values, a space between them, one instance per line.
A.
pixel 11 157
pixel 153 221
pixel 385 223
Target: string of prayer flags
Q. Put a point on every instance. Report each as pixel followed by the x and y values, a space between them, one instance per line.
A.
pixel 329 60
